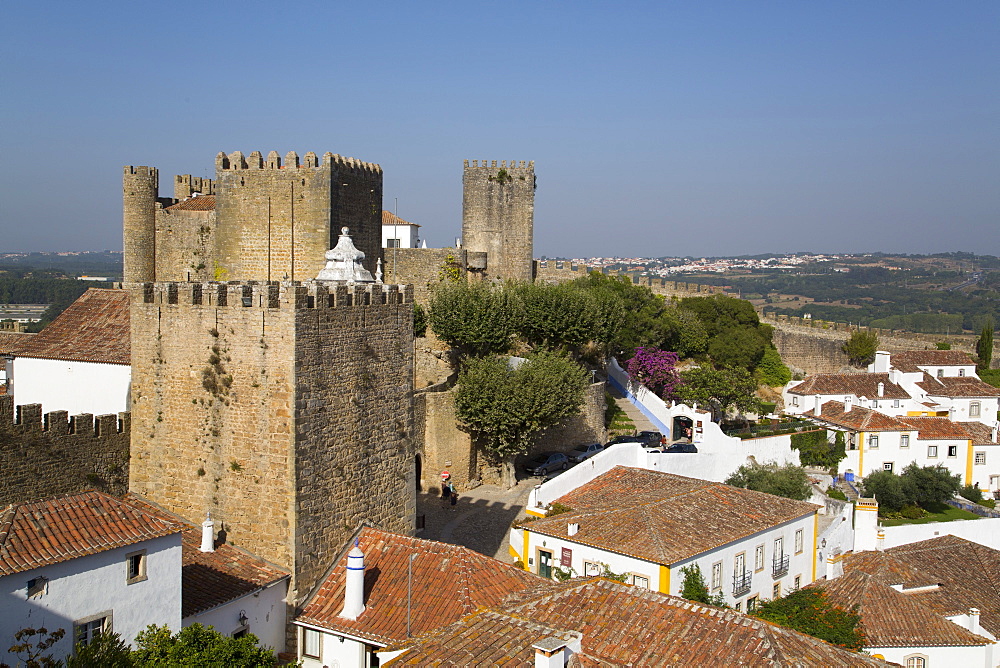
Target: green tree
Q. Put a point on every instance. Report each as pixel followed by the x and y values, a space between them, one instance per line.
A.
pixel 693 588
pixel 419 320
pixel 789 481
pixel 475 318
pixel 984 347
pixel 553 316
pixel 815 448
pixel 32 645
pixel 505 406
pixel 886 488
pixel 106 650
pixel 929 486
pixel 197 645
pixel 722 389
pixel 738 348
pixel 809 611
pixel 860 348
pixel 771 370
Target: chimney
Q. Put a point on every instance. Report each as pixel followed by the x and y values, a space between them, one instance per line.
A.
pixel 881 364
pixel 865 524
pixel 573 528
pixel 974 620
pixel 881 389
pixel 208 534
pixel 819 405
pixel 354 589
pixel 880 540
pixel 551 652
pixel 834 566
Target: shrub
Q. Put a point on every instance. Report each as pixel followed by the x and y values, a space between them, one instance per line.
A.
pixel 835 493
pixel 912 512
pixel 972 493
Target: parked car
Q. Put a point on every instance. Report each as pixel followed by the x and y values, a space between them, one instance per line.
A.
pixel 546 463
pixel 648 439
pixel 582 452
pixel 681 446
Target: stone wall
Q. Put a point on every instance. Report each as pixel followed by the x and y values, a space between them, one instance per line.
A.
pixel 498 215
pixel 584 428
pixel 139 194
pixel 284 409
pixel 186 249
pixel 422 267
pixel 50 454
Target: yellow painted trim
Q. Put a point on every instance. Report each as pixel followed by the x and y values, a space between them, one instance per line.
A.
pixel 524 554
pixel 968 462
pixel 664 579
pixel 533 513
pixel 861 454
pixel 815 542
pixel 513 552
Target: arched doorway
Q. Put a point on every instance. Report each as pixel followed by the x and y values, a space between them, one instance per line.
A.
pixel 682 428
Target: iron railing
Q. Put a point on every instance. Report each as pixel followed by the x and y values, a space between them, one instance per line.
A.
pixel 779 566
pixel 742 582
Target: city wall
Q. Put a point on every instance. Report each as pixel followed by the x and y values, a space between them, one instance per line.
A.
pixel 49 454
pixel 425 267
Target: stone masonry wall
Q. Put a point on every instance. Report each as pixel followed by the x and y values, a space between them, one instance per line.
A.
pixel 51 454
pixel 288 418
pixel 498 215
pixel 421 267
pixel 186 245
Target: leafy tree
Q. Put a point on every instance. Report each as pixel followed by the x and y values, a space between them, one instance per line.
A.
pixel 419 320
pixel 929 486
pixel 860 348
pixel 984 346
pixel 475 318
pixel 815 448
pixel 737 348
pixel 32 645
pixel 809 611
pixel 972 493
pixel 691 339
pixel 722 389
pixel 657 370
pixel 693 588
pixel 556 315
pixel 771 370
pixel 789 481
pixel 197 645
pixel 106 650
pixel 887 489
pixel 942 345
pixel 505 408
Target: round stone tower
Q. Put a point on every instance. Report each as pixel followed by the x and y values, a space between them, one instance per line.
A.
pixel 140 187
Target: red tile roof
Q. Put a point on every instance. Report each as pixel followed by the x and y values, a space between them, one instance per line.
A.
pixel 620 625
pixel 449 582
pixel 915 358
pixel 858 419
pixel 95 328
pixel 664 518
pixel 10 342
pixel 210 579
pixel 199 203
pixel 389 218
pixel 978 433
pixel 58 529
pixel 937 428
pixel 957 386
pixel 858 384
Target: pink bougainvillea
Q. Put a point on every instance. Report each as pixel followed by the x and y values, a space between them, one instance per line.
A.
pixel 657 370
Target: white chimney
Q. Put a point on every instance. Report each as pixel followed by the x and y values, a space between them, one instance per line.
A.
pixel 550 652
pixel 573 528
pixel 208 534
pixel 881 364
pixel 881 389
pixel 865 524
pixel 974 620
pixel 354 587
pixel 819 405
pixel 834 566
pixel 880 540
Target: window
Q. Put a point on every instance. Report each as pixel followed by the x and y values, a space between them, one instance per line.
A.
pixel 590 568
pixel 640 581
pixel 798 581
pixel 311 643
pixel 795 400
pixel 738 606
pixel 392 243
pixel 85 629
pixel 798 541
pixel 932 451
pixel 953 451
pixel 758 558
pixel 776 590
pixel 887 466
pixel 717 575
pixel 895 403
pixel 135 567
pixel 38 587
pixel 961 372
pixel 873 441
pixel 980 458
pixel 916 661
pixel 974 409
pixel 751 604
pixel 779 546
pixel 904 441
pixel 940 373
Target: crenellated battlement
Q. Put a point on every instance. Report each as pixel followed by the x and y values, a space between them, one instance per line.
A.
pixel 29 417
pixel 273 294
pixel 141 170
pixel 186 185
pixel 236 161
pixel 503 164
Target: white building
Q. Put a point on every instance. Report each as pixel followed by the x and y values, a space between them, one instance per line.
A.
pixel 398 233
pixel 85 563
pixel 649 525
pixel 81 362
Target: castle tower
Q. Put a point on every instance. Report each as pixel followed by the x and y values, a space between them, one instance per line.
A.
pixel 498 215
pixel 276 217
pixel 140 186
pixel 283 409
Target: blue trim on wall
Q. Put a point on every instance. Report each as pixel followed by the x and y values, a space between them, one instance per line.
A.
pixel 638 404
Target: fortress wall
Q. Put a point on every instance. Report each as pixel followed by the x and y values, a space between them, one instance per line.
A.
pixel 52 454
pixel 187 245
pixel 498 215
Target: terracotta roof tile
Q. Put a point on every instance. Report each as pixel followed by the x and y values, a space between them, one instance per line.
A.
pixel 10 342
pixel 449 582
pixel 199 203
pixel 94 328
pixel 62 528
pixel 620 625
pixel 914 358
pixel 936 428
pixel 958 386
pixel 978 433
pixel 857 418
pixel 389 218
pixel 858 384
pixel 664 518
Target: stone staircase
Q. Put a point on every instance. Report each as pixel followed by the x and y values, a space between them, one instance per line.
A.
pixel 641 422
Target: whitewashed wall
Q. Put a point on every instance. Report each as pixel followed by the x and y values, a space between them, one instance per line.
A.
pixel 77 387
pixel 970 657
pixel 86 586
pixel 335 650
pixel 985 531
pixel 265 611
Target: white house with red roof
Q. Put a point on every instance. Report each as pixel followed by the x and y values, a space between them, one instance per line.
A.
pixel 86 563
pixel 81 362
pixel 398 233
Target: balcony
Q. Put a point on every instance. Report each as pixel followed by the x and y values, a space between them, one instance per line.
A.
pixel 779 566
pixel 742 582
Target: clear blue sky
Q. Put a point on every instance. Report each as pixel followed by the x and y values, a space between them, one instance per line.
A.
pixel 666 128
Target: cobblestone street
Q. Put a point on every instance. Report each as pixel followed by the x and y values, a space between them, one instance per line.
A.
pixel 480 520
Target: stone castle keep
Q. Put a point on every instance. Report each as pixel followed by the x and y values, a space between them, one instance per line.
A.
pixel 281 404
pixel 498 215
